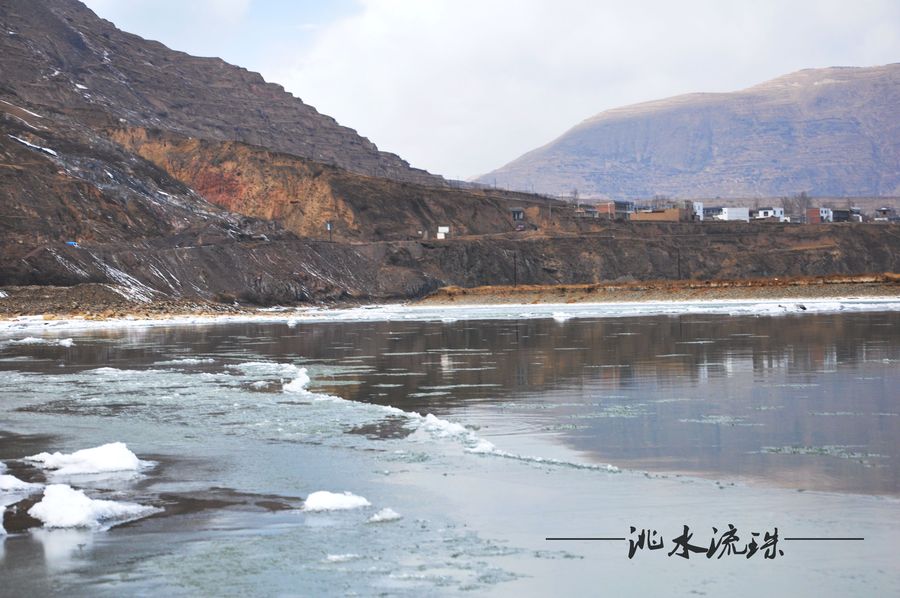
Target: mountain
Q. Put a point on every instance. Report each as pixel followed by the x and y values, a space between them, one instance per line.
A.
pixel 59 54
pixel 831 131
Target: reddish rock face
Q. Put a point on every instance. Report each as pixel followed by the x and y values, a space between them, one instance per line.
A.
pixel 303 195
pixel 222 189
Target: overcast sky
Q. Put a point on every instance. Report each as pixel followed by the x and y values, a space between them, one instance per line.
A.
pixel 461 87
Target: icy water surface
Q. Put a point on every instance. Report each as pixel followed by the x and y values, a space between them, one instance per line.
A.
pixel 464 443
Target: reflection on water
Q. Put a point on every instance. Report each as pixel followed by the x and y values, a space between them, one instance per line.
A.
pixel 804 401
pixel 65 549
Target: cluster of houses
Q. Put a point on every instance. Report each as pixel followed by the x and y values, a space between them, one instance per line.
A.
pixel 695 211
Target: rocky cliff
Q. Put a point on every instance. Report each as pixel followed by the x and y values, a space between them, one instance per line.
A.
pixel 833 131
pixel 76 207
pixel 656 251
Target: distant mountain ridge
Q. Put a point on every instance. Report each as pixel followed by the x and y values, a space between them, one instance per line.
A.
pixel 831 131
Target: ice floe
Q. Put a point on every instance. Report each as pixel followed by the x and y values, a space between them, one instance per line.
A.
pixel 10 483
pixel 12 490
pixel 33 340
pixel 108 458
pixel 119 373
pixel 298 384
pixel 186 361
pixel 333 501
pixel 485 447
pixel 63 506
pixel 384 515
pixel 267 368
pixel 341 558
pixel 441 427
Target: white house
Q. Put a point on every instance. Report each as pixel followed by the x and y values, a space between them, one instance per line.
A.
pixel 719 213
pixel 765 213
pixel 697 210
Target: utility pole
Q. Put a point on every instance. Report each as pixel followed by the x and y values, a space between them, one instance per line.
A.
pixel 678 258
pixel 515 268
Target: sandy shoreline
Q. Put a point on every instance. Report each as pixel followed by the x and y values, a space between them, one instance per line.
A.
pixel 832 287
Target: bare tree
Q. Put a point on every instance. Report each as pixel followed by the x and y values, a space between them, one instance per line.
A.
pixel 797 204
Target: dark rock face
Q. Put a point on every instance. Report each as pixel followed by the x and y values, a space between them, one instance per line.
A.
pixel 288 271
pixel 829 132
pixel 62 56
pixel 664 251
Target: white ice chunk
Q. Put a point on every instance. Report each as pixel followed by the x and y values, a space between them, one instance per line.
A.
pixel 298 384
pixel 341 558
pixel 441 427
pixel 186 361
pixel 28 340
pixel 63 506
pixel 268 368
pixel 333 501
pixel 33 340
pixel 482 447
pixel 384 515
pixel 112 457
pixel 10 483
